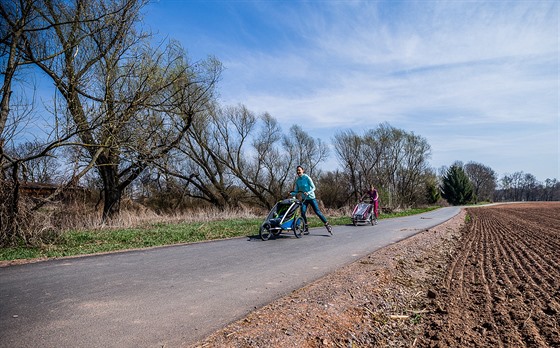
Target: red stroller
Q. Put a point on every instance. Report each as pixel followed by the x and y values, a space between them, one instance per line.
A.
pixel 363 213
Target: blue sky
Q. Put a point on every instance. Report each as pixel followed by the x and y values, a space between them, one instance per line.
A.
pixel 478 79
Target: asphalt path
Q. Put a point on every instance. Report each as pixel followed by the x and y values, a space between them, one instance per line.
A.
pixel 173 296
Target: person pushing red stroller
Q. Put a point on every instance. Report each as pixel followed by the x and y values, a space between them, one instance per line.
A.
pixel 374 200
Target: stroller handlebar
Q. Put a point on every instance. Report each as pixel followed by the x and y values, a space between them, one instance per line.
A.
pixel 293 196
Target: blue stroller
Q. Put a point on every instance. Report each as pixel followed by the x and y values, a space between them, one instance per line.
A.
pixel 284 216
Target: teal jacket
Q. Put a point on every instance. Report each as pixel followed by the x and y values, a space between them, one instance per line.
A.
pixel 304 184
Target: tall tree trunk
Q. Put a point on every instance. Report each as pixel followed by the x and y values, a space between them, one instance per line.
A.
pixel 111 190
pixel 9 215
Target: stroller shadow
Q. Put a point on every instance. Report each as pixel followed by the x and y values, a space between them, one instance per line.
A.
pixel 254 238
pixel 257 238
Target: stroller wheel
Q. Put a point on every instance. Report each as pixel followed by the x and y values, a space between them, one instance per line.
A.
pixel 264 232
pixel 354 222
pixel 298 227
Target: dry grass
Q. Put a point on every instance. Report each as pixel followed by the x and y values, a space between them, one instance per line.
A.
pixel 78 217
pixel 135 215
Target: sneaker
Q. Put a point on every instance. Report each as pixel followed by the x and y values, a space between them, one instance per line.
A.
pixel 306 230
pixel 328 227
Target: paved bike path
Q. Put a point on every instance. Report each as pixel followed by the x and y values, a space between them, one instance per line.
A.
pixel 173 296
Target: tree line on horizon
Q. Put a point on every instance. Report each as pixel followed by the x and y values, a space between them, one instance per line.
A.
pixel 134 119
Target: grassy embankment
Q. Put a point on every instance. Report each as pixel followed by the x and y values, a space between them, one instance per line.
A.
pixel 98 240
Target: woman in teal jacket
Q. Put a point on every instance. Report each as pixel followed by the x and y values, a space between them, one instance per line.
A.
pixel 305 186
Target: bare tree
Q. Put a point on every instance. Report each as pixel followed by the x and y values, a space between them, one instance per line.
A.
pixel 16 22
pixel 130 103
pixel 551 190
pixel 233 155
pixel 222 161
pixel 483 179
pixel 413 169
pixel 43 169
pixel 306 150
pixel 517 185
pixel 348 148
pixel 334 187
pixel 521 186
pixel 392 142
pixel 249 146
pixel 25 41
pixel 372 154
pixel 393 160
pixel 196 162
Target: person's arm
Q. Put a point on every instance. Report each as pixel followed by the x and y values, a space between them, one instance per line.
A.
pixel 311 186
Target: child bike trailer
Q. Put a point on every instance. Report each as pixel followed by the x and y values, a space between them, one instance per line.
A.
pixel 284 216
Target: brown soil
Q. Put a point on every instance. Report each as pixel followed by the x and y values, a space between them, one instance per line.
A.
pixel 490 277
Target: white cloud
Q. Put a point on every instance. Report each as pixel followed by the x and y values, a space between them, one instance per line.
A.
pixel 461 74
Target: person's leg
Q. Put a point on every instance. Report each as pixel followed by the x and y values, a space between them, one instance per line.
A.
pixel 303 211
pixel 315 207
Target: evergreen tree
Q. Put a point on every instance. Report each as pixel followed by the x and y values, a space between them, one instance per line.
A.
pixel 432 193
pixel 456 187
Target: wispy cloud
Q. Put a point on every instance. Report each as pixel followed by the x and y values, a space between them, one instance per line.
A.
pixel 463 74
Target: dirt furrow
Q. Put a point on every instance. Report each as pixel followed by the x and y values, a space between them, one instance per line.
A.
pixel 533 263
pixel 456 269
pixel 488 320
pixel 518 267
pixel 499 254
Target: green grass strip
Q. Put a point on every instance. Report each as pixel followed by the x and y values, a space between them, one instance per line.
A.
pixel 73 243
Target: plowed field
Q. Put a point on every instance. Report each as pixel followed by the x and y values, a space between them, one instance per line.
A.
pixel 502 288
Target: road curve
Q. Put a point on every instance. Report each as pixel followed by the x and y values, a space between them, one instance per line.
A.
pixel 173 296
